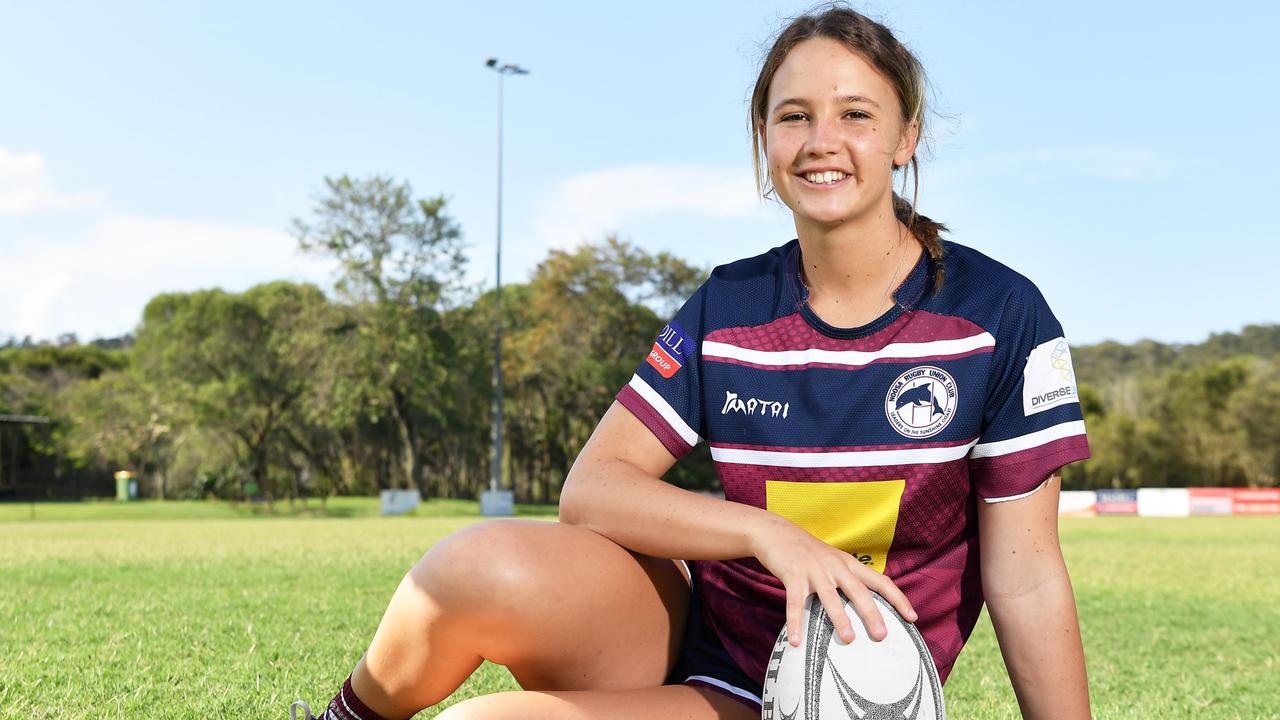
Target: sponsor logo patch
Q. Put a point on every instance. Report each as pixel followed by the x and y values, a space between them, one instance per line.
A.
pixel 671 350
pixel 865 526
pixel 921 401
pixel 1049 380
pixel 749 406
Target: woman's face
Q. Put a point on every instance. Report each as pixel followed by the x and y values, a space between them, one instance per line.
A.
pixel 833 134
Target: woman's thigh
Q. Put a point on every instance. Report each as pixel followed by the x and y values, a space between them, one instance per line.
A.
pixel 561 606
pixel 669 702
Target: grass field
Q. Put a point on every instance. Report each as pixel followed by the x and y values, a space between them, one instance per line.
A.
pixel 192 610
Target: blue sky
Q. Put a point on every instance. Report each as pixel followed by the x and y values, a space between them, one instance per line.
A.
pixel 1120 155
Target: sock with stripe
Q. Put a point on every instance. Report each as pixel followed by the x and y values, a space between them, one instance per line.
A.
pixel 346 706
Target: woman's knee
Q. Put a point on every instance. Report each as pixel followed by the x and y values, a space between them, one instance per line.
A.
pixel 488 567
pixel 522 587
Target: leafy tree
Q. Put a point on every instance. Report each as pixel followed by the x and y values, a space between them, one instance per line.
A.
pixel 31 376
pixel 400 258
pixel 582 324
pixel 1254 414
pixel 242 363
pixel 123 421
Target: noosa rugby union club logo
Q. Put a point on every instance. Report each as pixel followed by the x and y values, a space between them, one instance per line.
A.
pixel 921 401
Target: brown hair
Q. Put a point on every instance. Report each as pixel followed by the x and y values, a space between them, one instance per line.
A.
pixel 877 45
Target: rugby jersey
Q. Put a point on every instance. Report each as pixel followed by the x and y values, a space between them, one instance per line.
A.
pixel 879 440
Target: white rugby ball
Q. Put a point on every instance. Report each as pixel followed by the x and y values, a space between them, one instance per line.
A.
pixel 827 679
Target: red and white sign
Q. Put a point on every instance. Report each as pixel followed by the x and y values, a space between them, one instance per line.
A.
pixel 1256 501
pixel 1211 501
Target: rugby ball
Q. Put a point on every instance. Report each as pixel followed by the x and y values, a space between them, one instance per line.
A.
pixel 827 679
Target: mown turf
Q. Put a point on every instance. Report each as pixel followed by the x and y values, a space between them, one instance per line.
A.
pixel 186 610
pixel 338 507
pixel 1180 619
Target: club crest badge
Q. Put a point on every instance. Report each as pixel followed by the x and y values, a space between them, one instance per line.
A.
pixel 921 402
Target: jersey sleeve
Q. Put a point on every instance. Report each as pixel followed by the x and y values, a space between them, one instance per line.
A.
pixel 1032 421
pixel 665 393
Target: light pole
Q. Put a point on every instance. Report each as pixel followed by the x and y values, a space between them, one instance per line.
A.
pixel 496 501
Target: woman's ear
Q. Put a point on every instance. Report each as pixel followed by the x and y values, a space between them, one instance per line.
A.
pixel 907 144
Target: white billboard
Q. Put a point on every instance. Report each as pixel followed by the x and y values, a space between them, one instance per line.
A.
pixel 1164 502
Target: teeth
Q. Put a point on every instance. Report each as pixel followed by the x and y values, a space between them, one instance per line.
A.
pixel 825 178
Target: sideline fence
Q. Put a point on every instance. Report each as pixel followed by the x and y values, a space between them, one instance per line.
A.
pixel 1170 502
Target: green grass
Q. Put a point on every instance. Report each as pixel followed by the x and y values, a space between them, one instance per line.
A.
pixel 338 507
pixel 185 610
pixel 1180 619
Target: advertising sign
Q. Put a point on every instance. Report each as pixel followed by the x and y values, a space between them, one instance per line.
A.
pixel 1211 501
pixel 1078 503
pixel 1117 502
pixel 1164 502
pixel 1256 501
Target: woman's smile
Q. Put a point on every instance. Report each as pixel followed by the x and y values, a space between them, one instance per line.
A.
pixel 824 179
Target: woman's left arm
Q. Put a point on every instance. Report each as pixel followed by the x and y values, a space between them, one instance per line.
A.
pixel 1033 609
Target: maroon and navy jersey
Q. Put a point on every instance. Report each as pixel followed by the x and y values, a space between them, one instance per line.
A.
pixel 879 440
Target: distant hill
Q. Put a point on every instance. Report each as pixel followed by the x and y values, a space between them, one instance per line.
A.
pixel 1172 415
pixel 1107 362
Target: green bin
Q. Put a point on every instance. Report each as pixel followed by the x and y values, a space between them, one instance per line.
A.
pixel 126 486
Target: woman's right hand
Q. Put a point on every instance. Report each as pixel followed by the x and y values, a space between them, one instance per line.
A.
pixel 807 565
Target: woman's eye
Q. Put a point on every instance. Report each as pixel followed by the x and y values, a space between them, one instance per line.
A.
pixel 792 117
pixel 857 115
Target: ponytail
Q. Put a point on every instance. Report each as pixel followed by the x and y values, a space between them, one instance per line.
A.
pixel 926 230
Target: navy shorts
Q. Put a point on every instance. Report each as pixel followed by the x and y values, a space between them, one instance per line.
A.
pixel 703 660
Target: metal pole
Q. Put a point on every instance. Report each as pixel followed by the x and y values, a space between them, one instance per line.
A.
pixel 495 469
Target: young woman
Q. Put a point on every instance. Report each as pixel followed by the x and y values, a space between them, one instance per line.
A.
pixel 887 411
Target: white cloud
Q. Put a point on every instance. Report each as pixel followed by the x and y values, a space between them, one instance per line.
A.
pixel 26 187
pixel 588 205
pixel 96 283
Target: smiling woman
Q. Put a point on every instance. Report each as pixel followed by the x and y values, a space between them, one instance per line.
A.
pixel 871 428
pixel 850 85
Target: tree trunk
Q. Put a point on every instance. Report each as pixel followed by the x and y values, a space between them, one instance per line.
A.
pixel 409 440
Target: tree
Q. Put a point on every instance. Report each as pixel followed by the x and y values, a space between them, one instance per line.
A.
pixel 580 327
pixel 400 259
pixel 1254 414
pixel 31 377
pixel 123 421
pixel 242 363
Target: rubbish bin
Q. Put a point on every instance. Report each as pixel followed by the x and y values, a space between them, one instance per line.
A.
pixel 126 486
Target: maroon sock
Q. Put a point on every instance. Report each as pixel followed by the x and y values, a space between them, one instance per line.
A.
pixel 346 706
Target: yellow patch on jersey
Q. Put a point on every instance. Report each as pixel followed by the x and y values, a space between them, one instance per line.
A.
pixel 857 517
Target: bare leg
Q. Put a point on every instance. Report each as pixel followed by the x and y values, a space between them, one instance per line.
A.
pixel 562 607
pixel 670 702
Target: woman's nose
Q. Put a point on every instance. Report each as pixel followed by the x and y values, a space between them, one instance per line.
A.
pixel 824 138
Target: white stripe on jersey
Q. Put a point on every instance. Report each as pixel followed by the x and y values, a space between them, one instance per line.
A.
pixel 857 358
pixel 841 458
pixel 664 409
pixel 1007 498
pixel 725 686
pixel 1029 441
